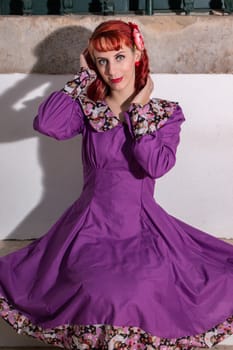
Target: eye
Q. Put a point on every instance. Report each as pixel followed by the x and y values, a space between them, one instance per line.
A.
pixel 120 57
pixel 102 61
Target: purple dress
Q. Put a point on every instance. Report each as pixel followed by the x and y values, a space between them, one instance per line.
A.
pixel 116 271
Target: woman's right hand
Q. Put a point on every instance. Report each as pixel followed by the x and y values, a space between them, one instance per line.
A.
pixel 86 61
pixel 143 97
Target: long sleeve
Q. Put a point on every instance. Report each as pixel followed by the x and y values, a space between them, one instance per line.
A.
pixel 60 115
pixel 156 131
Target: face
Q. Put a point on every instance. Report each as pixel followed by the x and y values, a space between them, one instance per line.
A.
pixel 117 68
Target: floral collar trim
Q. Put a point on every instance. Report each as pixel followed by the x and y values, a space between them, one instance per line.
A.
pixel 99 115
pixel 144 119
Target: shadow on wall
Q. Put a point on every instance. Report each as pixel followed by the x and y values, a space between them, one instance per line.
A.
pixel 60 161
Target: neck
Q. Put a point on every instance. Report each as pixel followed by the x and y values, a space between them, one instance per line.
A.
pixel 119 103
pixel 121 99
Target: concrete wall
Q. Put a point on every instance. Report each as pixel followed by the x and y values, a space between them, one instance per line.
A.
pixel 176 44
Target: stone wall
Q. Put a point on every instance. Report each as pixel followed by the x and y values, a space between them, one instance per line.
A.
pixel 176 44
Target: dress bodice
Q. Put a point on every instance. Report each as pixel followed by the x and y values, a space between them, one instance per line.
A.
pixel 146 140
pixel 121 160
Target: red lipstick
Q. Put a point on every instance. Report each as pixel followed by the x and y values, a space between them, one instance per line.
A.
pixel 115 81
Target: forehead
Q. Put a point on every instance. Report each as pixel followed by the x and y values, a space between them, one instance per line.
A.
pixel 112 53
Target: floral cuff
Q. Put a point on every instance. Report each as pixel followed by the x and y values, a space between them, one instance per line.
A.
pixel 80 83
pixel 145 119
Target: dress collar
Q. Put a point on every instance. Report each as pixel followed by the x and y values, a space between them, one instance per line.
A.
pixel 144 118
pixel 99 114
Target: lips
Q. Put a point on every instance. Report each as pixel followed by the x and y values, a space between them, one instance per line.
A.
pixel 115 81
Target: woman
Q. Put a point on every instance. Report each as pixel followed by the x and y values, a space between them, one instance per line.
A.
pixel 116 271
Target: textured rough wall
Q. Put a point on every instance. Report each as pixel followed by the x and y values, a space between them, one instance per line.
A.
pixel 176 44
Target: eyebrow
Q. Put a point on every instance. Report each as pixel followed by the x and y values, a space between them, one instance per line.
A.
pixel 118 53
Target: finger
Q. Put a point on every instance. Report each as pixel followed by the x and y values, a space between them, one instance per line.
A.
pixel 83 62
pixel 85 51
pixel 150 83
pixel 150 80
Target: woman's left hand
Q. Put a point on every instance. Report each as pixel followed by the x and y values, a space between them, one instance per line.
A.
pixel 143 96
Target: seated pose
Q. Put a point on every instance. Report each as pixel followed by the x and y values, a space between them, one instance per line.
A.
pixel 116 271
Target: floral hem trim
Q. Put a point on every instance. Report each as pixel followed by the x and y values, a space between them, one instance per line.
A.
pixel 80 83
pixel 146 119
pixel 108 337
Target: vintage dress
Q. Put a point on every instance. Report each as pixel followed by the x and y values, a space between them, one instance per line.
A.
pixel 117 271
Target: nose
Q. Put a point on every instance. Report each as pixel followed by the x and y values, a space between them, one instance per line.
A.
pixel 111 69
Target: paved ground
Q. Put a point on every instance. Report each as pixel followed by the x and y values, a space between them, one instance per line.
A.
pixel 9 246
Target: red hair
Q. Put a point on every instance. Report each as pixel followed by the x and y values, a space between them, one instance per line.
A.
pixel 109 36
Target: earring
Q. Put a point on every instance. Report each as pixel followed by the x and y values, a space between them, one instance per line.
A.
pixel 137 63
